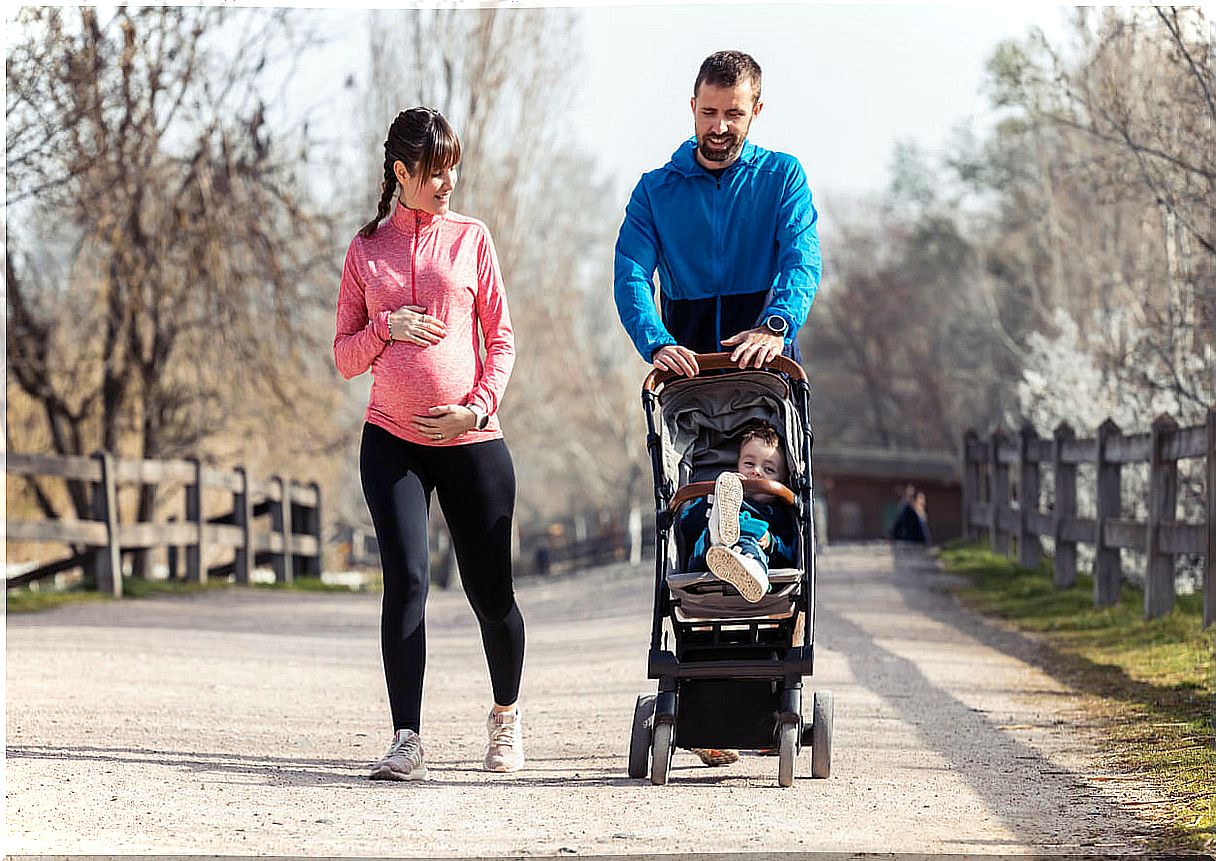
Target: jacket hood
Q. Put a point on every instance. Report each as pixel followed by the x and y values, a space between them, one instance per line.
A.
pixel 684 159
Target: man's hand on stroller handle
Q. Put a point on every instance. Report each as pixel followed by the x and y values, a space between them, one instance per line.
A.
pixel 677 360
pixel 754 347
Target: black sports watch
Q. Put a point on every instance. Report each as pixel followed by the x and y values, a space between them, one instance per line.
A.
pixel 777 324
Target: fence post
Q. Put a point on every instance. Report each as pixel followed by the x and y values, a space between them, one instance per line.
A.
pixel 635 535
pixel 999 479
pixel 1209 573
pixel 196 566
pixel 1162 505
pixel 172 556
pixel 1108 567
pixel 1065 564
pixel 245 557
pixel 280 522
pixel 1030 548
pixel 107 561
pixel 315 564
pixel 970 474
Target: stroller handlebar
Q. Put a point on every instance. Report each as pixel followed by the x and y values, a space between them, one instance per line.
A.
pixel 750 485
pixel 722 362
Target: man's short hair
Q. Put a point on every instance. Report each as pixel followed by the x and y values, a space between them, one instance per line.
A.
pixel 729 69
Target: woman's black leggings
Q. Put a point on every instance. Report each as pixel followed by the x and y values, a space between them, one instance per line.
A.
pixel 476 488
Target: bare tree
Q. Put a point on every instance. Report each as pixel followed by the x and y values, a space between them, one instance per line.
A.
pixel 159 267
pixel 1122 121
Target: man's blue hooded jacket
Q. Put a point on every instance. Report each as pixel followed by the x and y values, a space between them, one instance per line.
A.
pixel 730 250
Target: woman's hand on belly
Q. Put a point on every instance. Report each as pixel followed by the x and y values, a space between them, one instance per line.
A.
pixel 445 422
pixel 411 323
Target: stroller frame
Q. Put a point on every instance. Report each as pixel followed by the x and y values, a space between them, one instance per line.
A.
pixel 730 701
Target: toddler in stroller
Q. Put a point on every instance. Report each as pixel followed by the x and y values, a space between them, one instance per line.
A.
pixel 738 537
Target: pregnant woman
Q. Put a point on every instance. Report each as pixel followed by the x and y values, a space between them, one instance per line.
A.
pixel 420 292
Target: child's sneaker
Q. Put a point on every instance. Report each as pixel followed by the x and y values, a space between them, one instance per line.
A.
pixel 715 756
pixel 506 748
pixel 403 760
pixel 743 572
pixel 724 516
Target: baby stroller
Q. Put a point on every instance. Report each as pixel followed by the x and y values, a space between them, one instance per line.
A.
pixel 731 676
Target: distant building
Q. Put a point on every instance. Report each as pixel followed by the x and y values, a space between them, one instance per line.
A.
pixel 863 488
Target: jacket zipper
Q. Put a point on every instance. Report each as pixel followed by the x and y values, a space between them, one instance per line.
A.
pixel 718 325
pixel 414 262
pixel 717 231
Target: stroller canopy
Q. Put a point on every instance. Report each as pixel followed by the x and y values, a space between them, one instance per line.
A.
pixel 702 416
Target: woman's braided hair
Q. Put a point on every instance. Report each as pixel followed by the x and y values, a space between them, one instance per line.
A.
pixel 424 141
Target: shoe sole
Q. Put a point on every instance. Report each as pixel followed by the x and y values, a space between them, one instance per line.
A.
pixel 726 567
pixel 383 772
pixel 723 758
pixel 728 499
pixel 504 768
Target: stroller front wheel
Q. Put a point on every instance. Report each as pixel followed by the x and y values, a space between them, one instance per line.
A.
pixel 660 754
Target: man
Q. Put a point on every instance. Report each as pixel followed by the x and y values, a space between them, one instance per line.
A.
pixel 731 229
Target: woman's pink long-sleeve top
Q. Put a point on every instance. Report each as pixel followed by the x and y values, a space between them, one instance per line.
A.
pixel 448 265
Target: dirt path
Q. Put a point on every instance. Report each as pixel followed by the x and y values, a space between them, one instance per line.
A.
pixel 241 722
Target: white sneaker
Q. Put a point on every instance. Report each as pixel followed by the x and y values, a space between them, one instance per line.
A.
pixel 743 572
pixel 403 760
pixel 506 749
pixel 724 515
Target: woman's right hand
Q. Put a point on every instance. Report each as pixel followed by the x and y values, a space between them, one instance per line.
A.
pixel 411 323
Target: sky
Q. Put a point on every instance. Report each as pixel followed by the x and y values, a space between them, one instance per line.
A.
pixel 842 83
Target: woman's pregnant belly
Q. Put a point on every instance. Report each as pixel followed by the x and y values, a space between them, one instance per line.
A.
pixel 408 380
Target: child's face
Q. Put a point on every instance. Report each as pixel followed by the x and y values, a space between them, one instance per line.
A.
pixel 757 459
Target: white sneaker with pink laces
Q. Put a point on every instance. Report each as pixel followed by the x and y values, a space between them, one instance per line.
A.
pixel 506 748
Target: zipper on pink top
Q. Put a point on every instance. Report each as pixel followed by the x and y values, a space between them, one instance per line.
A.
pixel 414 260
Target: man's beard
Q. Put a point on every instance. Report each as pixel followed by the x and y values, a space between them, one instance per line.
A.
pixel 727 152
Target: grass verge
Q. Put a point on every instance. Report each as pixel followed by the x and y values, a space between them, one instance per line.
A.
pixel 26 600
pixel 1152 684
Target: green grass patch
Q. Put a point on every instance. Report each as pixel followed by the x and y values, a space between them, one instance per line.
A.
pixel 26 600
pixel 305 584
pixel 1152 684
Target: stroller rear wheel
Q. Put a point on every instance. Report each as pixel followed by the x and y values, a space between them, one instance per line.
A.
pixel 639 740
pixel 660 755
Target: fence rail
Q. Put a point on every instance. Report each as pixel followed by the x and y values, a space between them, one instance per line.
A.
pixel 1001 495
pixel 291 542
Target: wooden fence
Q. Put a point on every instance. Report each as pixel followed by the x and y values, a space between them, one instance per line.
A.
pixel 1009 509
pixel 291 513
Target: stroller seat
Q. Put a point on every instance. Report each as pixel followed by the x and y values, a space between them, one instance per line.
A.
pixel 699 596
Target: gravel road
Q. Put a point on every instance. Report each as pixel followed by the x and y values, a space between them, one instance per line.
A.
pixel 242 722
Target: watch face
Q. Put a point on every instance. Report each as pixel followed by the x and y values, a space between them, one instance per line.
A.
pixel 776 324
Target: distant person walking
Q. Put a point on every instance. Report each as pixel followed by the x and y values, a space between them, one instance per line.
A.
pixel 911 523
pixel 922 515
pixel 415 290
